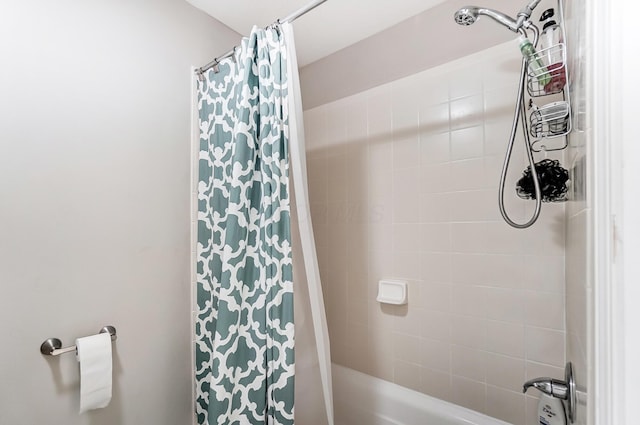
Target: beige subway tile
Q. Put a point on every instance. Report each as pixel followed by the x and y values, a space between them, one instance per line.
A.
pixel 469 332
pixel 505 372
pixel 539 370
pixel 545 346
pixel 507 305
pixel 504 239
pixel 406 199
pixel 436 384
pixel 485 207
pixel 358 312
pixel 496 134
pixel 407 375
pixel 435 237
pixel 407 265
pixel 431 84
pixel 406 147
pixel 508 406
pixel 545 310
pixel 467 112
pixel 380 317
pixel 357 120
pixel 406 348
pixel 436 267
pixel 467 174
pixel 465 81
pixel 406 237
pixel 435 296
pixel 381 237
pixel 409 320
pixel 506 338
pixel 469 237
pixel 469 394
pixel 382 363
pixel 549 278
pixel 437 325
pixel 468 363
pixel 379 112
pixel 435 147
pixel 435 355
pixel 436 178
pixel 467 143
pixel 434 208
pixel 469 300
pixel 434 119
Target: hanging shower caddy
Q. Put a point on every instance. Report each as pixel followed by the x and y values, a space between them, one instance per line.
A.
pixel 548 80
pixel 543 73
pixel 547 83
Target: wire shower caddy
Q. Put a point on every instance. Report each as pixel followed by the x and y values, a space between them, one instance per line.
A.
pixel 547 76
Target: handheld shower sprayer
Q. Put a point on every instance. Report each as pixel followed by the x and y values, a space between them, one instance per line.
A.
pixel 469 15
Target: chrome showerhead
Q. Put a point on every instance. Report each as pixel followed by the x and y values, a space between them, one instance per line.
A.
pixel 469 15
pixel 466 16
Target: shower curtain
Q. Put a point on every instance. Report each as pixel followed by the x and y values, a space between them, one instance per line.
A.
pixel 244 324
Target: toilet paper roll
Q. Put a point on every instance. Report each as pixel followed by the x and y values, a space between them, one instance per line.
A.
pixel 94 355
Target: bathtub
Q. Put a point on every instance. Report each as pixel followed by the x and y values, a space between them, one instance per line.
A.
pixel 361 399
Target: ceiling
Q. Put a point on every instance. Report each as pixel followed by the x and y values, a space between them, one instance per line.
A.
pixel 332 26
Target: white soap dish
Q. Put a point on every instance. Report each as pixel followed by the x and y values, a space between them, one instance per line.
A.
pixel 392 292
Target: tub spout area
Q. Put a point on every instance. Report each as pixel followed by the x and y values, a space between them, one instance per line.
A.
pixel 553 387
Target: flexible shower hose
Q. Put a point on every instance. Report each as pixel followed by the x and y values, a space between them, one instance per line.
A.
pixel 520 114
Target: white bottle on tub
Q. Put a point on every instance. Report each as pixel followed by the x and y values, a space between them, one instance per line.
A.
pixel 551 411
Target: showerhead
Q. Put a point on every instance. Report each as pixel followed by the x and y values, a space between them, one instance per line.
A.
pixel 466 16
pixel 469 15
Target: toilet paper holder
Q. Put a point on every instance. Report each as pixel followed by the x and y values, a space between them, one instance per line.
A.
pixel 53 346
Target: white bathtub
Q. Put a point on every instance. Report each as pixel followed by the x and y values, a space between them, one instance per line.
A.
pixel 361 399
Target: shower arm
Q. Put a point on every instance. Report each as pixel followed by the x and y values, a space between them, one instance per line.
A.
pixel 499 17
pixel 520 112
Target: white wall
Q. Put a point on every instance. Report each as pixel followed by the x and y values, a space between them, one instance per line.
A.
pixel 627 67
pixel 94 217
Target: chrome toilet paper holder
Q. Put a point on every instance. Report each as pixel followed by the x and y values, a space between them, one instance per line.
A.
pixel 53 346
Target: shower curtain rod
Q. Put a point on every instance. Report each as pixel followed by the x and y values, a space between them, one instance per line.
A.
pixel 295 15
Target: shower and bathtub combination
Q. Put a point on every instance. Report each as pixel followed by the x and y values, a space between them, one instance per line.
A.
pixel 384 188
pixel 305 218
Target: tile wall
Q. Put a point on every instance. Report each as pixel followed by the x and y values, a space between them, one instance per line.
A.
pixel 403 184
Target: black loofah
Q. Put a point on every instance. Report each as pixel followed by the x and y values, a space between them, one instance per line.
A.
pixel 553 182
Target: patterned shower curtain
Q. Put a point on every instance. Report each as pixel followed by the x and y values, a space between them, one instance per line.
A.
pixel 244 324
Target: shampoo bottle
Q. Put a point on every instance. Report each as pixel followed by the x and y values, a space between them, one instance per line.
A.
pixel 536 67
pixel 550 41
pixel 551 411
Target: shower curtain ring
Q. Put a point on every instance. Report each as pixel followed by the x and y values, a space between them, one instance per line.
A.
pixel 276 26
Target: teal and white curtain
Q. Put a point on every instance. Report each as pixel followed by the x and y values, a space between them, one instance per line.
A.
pixel 244 324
